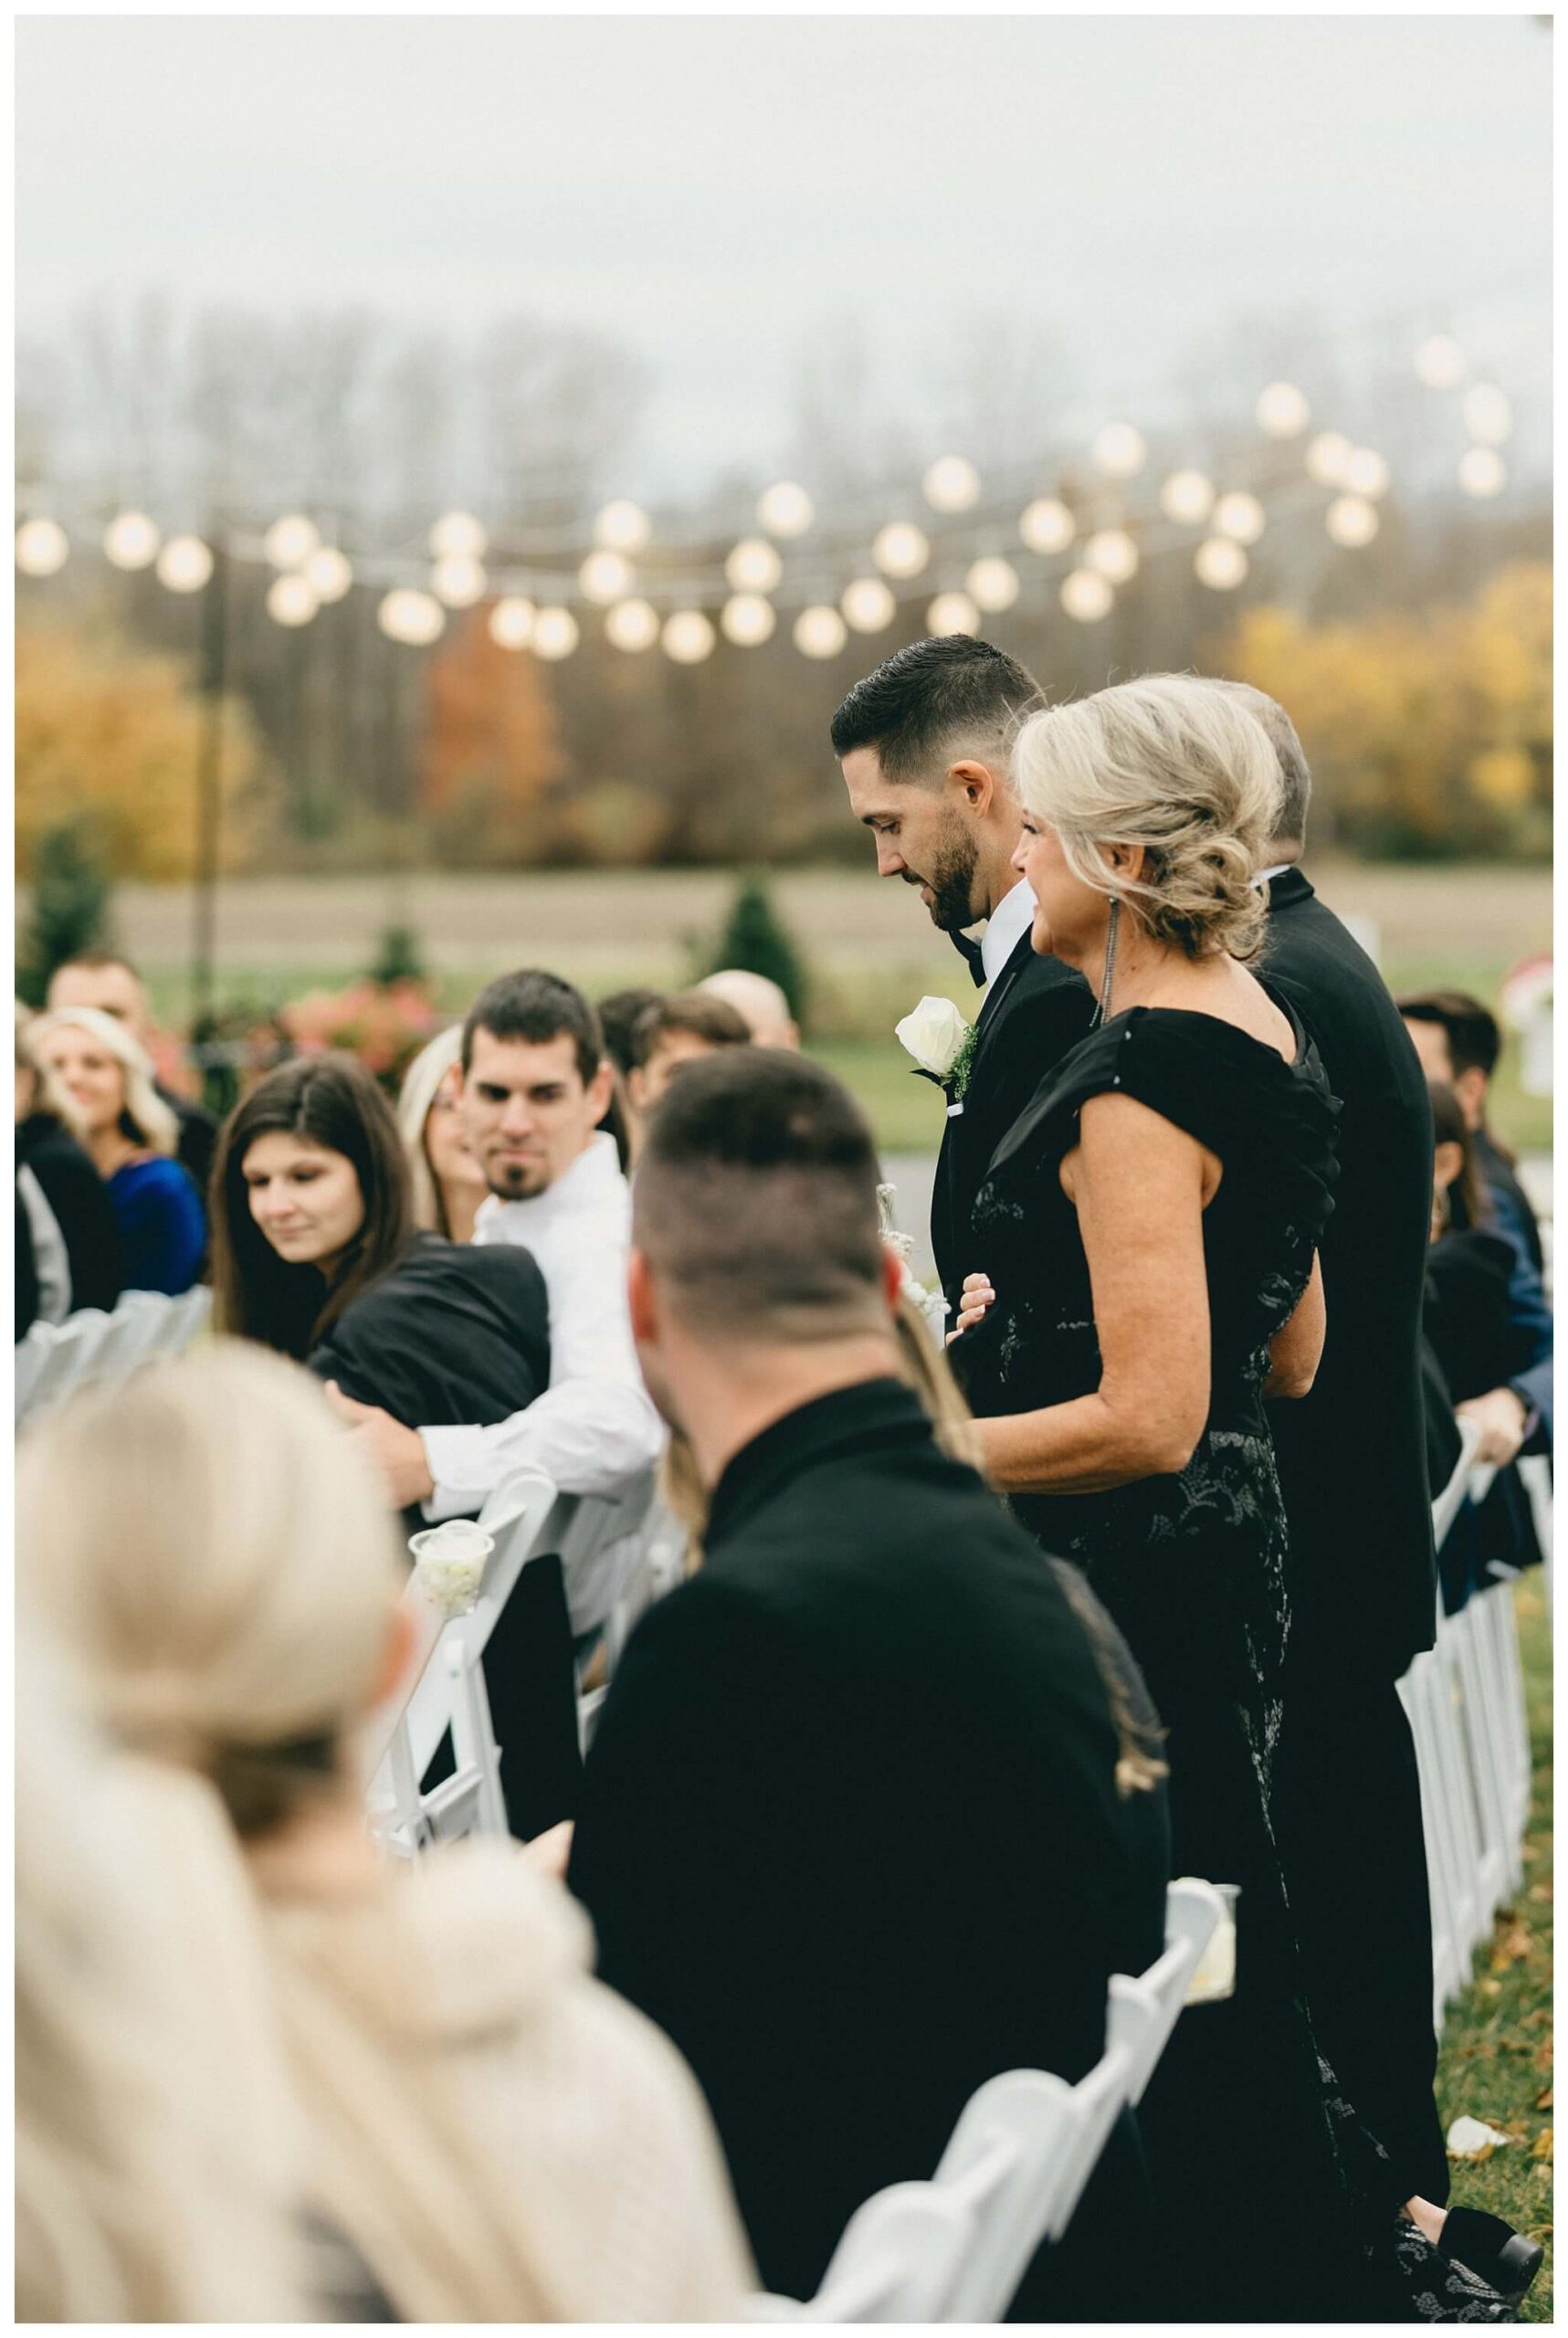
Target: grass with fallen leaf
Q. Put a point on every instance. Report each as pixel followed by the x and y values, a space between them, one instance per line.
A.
pixel 1496 2059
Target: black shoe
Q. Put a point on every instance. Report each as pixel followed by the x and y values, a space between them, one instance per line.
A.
pixel 1492 2250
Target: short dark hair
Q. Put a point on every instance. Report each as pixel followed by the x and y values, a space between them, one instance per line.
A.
pixel 538 1008
pixel 618 1016
pixel 1467 1204
pixel 756 1200
pixel 331 1101
pixel 695 1012
pixel 1475 1042
pixel 1295 772
pixel 933 692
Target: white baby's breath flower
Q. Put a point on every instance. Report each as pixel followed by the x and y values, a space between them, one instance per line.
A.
pixel 449 1563
pixel 935 1034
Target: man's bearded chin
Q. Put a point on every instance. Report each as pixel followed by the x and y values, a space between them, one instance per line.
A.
pixel 952 883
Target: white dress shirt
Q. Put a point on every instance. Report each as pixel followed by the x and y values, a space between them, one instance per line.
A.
pixel 1010 921
pixel 594 1428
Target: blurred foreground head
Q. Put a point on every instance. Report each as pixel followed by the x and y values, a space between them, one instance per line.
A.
pixel 759 1001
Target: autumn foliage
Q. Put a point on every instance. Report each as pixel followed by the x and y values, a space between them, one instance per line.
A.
pixel 490 746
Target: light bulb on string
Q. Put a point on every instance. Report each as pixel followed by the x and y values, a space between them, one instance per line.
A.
pixel 555 633
pixel 458 535
pixel 329 572
pixel 130 540
pixel 1489 415
pixel 1220 564
pixel 1481 471
pixel 747 619
pixel 185 564
pixel 632 626
pixel 901 549
pixel 1086 595
pixel 43 547
pixel 458 580
pixel 1366 472
pixel 785 509
pixel 623 527
pixel 1047 525
pixel 603 577
pixel 952 484
pixel 1351 521
pixel 1239 516
pixel 952 612
pixel 753 566
pixel 289 542
pixel 1119 450
pixel 1113 554
pixel 1187 496
pixel 1282 411
pixel 867 604
pixel 415 619
pixel 819 631
pixel 688 637
pixel 1440 361
pixel 292 599
pixel 1327 456
pixel 992 584
pixel 511 622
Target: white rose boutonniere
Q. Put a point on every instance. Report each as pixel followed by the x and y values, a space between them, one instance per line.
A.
pixel 942 1045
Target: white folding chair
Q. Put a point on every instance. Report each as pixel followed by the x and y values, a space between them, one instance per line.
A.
pixel 1422 1690
pixel 897 2261
pixel 32 1354
pixel 68 1362
pixel 135 1332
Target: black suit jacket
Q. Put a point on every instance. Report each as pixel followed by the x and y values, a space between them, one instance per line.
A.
pixel 1034 1012
pixel 1353 1454
pixel 849 1831
pixel 83 1211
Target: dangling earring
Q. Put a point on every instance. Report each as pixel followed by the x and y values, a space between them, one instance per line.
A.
pixel 1107 975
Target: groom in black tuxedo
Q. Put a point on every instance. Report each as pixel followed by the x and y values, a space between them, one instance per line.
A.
pixel 925 742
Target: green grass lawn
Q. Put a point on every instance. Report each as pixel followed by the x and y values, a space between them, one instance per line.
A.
pixel 1496 2059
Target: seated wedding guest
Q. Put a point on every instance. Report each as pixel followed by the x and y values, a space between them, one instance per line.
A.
pixel 674 1032
pixel 99 978
pixel 850 1829
pixel 618 1020
pixel 447 1186
pixel 493 2134
pixel 152 2180
pixel 66 1182
pixel 759 1001
pixel 129 1134
pixel 1459 1041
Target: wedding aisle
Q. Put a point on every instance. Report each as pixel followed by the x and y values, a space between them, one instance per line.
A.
pixel 1496 2060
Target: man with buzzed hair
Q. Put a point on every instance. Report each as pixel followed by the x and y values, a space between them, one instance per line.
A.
pixel 924 743
pixel 760 1000
pixel 849 1831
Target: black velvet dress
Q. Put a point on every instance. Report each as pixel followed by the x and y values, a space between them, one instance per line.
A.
pixel 1276 2206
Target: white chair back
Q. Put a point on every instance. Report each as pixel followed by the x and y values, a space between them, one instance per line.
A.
pixel 898 2259
pixel 91 1348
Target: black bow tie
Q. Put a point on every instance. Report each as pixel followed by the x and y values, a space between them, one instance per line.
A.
pixel 975 956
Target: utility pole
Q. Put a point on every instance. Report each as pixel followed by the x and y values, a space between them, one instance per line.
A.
pixel 209 785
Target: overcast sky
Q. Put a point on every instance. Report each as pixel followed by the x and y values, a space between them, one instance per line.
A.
pixel 710 190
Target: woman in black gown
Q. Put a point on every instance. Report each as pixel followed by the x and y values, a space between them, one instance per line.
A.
pixel 1148 1231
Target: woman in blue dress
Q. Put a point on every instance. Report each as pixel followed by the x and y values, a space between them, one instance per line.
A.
pixel 130 1134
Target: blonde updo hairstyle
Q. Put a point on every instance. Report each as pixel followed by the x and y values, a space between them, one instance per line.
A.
pixel 220 1562
pixel 1178 765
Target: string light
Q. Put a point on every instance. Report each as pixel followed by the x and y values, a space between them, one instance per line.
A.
pixel 1366 473
pixel 819 631
pixel 632 626
pixel 1119 450
pixel 555 633
pixel 624 527
pixel 458 580
pixel 291 600
pixel 1113 554
pixel 603 577
pixel 1239 516
pixel 952 612
pixel 952 484
pixel 1440 361
pixel 901 549
pixel 1481 471
pixel 185 564
pixel 1047 525
pixel 753 566
pixel 1351 521
pixel 1488 416
pixel 130 540
pixel 992 583
pixel 1187 496
pixel 414 618
pixel 1086 595
pixel 1326 457
pixel 688 637
pixel 458 535
pixel 42 547
pixel 511 622
pixel 1220 564
pixel 289 542
pixel 331 572
pixel 747 619
pixel 1282 411
pixel 868 604
pixel 785 509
